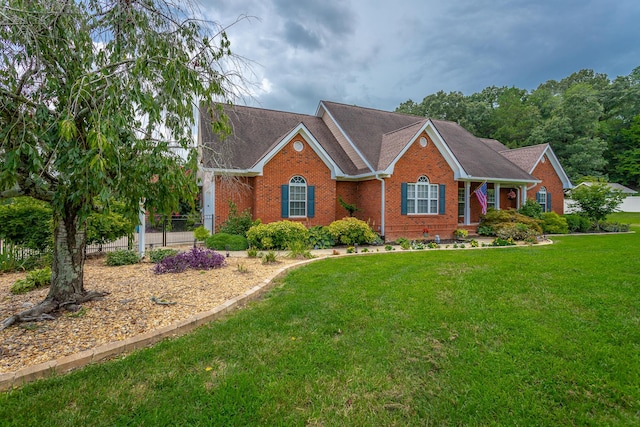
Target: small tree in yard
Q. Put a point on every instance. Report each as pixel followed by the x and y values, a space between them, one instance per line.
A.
pixel 93 95
pixel 597 200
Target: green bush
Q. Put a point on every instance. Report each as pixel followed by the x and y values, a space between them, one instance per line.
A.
pixel 498 241
pixel 157 255
pixel 320 237
pixel 223 241
pixel 552 223
pixel 299 250
pixel 531 208
pixel 277 235
pixel 577 223
pixel 26 222
pixel 237 223
pixel 269 258
pixel 613 227
pixel 122 257
pixel 509 224
pixel 201 233
pixel 35 279
pixel 349 231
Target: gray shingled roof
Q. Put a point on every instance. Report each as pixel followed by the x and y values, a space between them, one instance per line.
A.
pixel 525 157
pixel 378 135
pixel 476 158
pixel 255 131
pixel 494 144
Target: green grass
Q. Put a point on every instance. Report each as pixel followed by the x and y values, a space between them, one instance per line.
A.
pixel 541 335
pixel 625 217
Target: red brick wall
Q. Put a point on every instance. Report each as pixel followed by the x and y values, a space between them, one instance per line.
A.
pixel 545 172
pixel 415 162
pixel 280 169
pixel 237 189
pixel 348 190
pixel 370 203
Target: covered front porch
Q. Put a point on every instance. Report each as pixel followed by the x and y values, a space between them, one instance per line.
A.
pixel 500 195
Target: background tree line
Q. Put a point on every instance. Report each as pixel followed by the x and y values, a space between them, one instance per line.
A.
pixel 591 122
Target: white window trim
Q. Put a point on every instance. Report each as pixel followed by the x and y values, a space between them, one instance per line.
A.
pixel 543 198
pixel 297 182
pixel 432 189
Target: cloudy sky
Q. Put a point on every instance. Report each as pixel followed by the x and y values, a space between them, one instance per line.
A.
pixel 378 54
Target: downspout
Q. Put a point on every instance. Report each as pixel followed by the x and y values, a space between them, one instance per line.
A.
pixel 382 205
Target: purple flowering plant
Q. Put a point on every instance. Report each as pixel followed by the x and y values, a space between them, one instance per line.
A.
pixel 195 259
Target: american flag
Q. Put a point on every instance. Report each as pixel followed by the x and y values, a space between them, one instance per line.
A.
pixel 481 194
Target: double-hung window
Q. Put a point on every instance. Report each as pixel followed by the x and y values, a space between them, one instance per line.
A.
pixel 297 197
pixel 422 197
pixel 541 197
pixel 491 198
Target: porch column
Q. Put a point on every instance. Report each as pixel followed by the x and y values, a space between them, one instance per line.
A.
pixel 496 191
pixel 523 196
pixel 209 204
pixel 467 202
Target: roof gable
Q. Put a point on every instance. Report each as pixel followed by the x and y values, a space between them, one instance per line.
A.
pixel 529 157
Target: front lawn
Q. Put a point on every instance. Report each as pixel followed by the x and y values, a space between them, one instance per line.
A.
pixel 541 335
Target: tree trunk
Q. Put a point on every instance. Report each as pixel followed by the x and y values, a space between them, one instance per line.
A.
pixel 67 273
pixel 67 270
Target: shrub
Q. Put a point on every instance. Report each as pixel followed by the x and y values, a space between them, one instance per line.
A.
pixel 201 233
pixel 237 223
pixel 552 223
pixel 614 227
pixel 221 241
pixel 509 224
pixel 26 222
pixel 531 208
pixel 389 248
pixel 498 241
pixel 433 245
pixel 460 233
pixel 252 252
pixel 157 255
pixel 299 250
pixel 320 237
pixel 269 258
pixel 349 231
pixel 122 257
pixel 474 243
pixel 35 279
pixel 577 223
pixel 195 258
pixel 516 231
pixel 277 235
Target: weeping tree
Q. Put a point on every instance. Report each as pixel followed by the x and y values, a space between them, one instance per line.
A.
pixel 94 97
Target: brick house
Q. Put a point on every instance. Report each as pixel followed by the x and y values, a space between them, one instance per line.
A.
pixel 404 173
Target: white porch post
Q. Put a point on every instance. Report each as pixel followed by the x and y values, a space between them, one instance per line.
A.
pixel 141 228
pixel 467 202
pixel 496 192
pixel 523 196
pixel 208 191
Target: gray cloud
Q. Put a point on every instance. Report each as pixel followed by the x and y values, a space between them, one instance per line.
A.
pixel 379 54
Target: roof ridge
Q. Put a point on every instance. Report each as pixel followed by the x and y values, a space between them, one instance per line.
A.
pixel 369 108
pixel 404 127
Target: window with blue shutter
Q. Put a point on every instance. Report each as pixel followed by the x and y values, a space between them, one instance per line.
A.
pixel 285 201
pixel 421 197
pixel 443 193
pixel 311 201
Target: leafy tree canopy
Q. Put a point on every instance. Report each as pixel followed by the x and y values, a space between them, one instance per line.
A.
pixel 93 96
pixel 587 118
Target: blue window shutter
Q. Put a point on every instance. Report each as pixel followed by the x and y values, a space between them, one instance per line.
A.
pixel 443 193
pixel 285 201
pixel 311 201
pixel 548 202
pixel 403 202
pixel 538 198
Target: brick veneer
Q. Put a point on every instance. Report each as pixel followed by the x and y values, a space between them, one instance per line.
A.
pixel 545 172
pixel 262 194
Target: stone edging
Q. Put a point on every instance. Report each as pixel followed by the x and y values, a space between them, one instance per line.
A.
pixel 65 364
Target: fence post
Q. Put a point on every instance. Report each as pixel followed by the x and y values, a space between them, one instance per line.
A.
pixel 164 231
pixel 141 228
